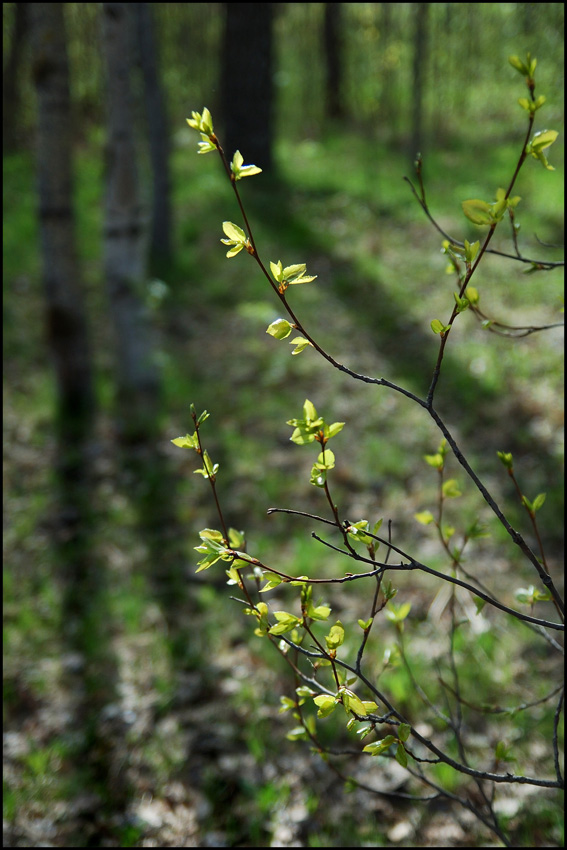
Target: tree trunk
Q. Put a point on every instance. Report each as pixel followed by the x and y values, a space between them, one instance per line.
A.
pixel 65 311
pixel 125 239
pixel 247 89
pixel 419 70
pixel 11 81
pixel 158 136
pixel 333 61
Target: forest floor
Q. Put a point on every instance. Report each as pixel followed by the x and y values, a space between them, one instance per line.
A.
pixel 153 719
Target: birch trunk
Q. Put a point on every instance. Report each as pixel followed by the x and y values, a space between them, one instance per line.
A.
pixel 125 238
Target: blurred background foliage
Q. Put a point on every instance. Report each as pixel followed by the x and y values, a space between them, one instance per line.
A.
pixel 137 705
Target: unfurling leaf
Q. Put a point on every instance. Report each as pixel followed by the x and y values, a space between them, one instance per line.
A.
pixel 236 238
pixel 186 442
pixel 335 637
pixel 379 747
pixel 401 755
pixel 451 489
pixel 286 622
pixel 539 143
pixel 279 329
pixel 239 170
pixel 479 212
pixel 438 327
pixel 529 595
pixel 300 343
pixel 201 122
pixel 326 704
pixel 351 702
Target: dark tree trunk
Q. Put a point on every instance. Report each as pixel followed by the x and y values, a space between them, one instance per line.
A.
pixel 333 60
pixel 419 70
pixel 125 238
pixel 65 311
pixel 247 88
pixel 158 136
pixel 11 88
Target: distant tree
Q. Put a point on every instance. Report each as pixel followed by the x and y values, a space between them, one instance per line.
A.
pixel 11 81
pixel 389 80
pixel 333 60
pixel 247 85
pixel 419 66
pixel 158 137
pixel 65 310
pixel 125 237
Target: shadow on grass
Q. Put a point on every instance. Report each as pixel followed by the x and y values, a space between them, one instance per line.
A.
pixel 152 491
pixel 87 637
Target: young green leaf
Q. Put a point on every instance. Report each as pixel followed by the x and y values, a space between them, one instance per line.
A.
pixel 209 469
pixel 506 458
pixel 186 442
pixel 203 123
pixel 236 539
pixel 462 303
pixel 325 460
pixel 450 489
pixel 424 517
pixel 529 595
pixel 286 622
pixel 300 344
pixel 303 691
pixel 438 327
pixel 520 66
pixel 286 704
pixel 319 612
pixel 541 141
pixel 298 733
pixel 240 170
pixel 401 755
pixel 332 430
pixel 351 702
pixel 307 428
pixel 479 212
pixel 436 460
pixel 397 613
pixel 378 747
pixel 290 275
pixel 236 238
pixel 335 637
pixel 326 704
pixel 273 581
pixel 471 251
pixel 279 329
pixel 472 295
